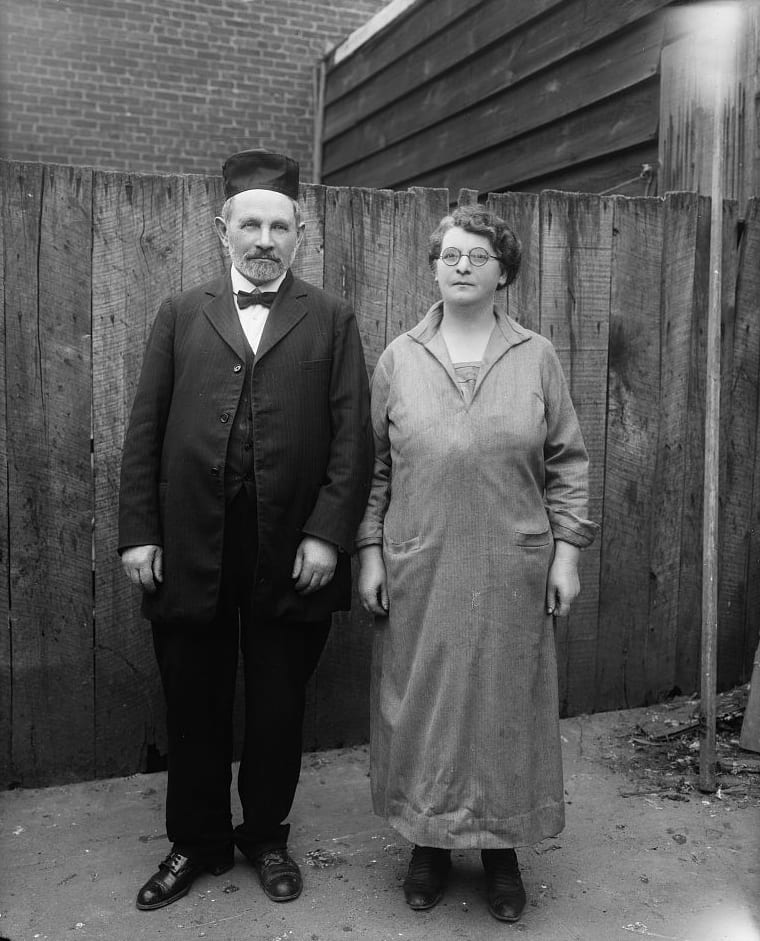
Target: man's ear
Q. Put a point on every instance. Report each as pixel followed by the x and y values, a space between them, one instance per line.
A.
pixel 221 229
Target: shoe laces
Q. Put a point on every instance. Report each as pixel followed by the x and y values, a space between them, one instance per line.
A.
pixel 274 858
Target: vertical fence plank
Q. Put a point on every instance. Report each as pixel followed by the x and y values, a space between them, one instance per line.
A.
pixel 310 260
pixel 372 232
pixel 47 293
pixel 345 665
pixel 522 299
pixel 623 675
pixel 688 647
pixel 339 243
pixel 7 177
pixel 576 239
pixel 738 419
pixel 412 288
pixel 21 235
pixel 744 433
pixel 675 481
pixel 137 224
pixel 203 257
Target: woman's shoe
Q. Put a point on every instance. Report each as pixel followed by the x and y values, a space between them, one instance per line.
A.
pixel 505 890
pixel 426 878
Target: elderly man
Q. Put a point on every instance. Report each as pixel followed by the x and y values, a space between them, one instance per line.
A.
pixel 245 472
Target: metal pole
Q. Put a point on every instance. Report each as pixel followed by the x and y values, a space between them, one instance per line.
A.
pixel 707 754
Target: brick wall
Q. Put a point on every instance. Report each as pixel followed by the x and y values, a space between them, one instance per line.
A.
pixel 168 86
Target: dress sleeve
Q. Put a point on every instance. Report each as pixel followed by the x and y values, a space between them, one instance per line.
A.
pixel 565 460
pixel 370 532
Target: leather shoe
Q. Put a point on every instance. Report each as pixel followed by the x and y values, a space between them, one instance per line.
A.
pixel 504 886
pixel 279 874
pixel 426 878
pixel 173 880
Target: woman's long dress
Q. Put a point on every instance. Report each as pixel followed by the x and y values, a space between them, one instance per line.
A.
pixel 470 491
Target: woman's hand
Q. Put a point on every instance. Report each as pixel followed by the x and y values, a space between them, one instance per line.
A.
pixel 372 582
pixel 563 584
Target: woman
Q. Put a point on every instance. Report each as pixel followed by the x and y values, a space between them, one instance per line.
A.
pixel 470 546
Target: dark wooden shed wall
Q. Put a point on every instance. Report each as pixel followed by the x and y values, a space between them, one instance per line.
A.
pixel 529 95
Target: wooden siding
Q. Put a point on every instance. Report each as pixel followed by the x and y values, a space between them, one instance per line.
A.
pixel 617 284
pixel 544 93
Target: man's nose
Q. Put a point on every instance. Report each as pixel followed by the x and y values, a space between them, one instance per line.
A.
pixel 265 236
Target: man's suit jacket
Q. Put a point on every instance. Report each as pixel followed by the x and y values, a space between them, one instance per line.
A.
pixel 312 446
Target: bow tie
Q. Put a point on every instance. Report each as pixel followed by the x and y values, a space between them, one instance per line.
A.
pixel 249 298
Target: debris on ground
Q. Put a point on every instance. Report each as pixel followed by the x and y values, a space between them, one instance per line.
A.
pixel 661 751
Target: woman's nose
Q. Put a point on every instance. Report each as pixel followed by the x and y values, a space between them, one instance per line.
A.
pixel 464 263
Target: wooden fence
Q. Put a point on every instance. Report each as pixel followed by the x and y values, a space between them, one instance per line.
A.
pixel 620 287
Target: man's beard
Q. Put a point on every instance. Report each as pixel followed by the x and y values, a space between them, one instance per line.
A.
pixel 260 270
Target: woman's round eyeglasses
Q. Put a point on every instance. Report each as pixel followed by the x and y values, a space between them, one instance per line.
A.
pixel 478 256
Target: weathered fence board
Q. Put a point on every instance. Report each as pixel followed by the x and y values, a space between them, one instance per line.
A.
pixel 731 551
pixel 744 453
pixel 202 256
pixel 618 285
pixel 576 239
pixel 137 261
pixel 6 673
pixel 47 336
pixel 674 478
pixel 690 583
pixel 633 403
pixel 522 299
pixel 411 287
pixel 310 260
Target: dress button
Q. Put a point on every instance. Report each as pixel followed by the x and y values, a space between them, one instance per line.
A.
pixel 237 367
pixel 214 471
pixel 224 417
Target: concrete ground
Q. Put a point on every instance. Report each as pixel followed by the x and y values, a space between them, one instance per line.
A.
pixel 641 856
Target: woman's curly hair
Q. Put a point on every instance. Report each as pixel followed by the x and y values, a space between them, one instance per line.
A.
pixel 504 243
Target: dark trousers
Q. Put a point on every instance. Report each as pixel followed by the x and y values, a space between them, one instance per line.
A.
pixel 198 666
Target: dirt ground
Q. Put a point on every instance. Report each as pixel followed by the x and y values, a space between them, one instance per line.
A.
pixel 644 853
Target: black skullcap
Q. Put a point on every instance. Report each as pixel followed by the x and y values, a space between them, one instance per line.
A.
pixel 260 170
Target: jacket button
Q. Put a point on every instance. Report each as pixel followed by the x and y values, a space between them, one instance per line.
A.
pixel 237 367
pixel 214 471
pixel 224 417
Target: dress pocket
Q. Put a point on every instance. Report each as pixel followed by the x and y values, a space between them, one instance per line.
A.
pixel 533 540
pixel 399 548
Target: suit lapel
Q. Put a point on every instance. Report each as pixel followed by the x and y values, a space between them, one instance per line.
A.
pixel 222 313
pixel 288 309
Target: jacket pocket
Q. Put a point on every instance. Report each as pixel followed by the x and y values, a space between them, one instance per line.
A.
pixel 318 364
pixel 533 540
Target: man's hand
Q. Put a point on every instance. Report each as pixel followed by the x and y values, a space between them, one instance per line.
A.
pixel 314 564
pixel 144 566
pixel 563 584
